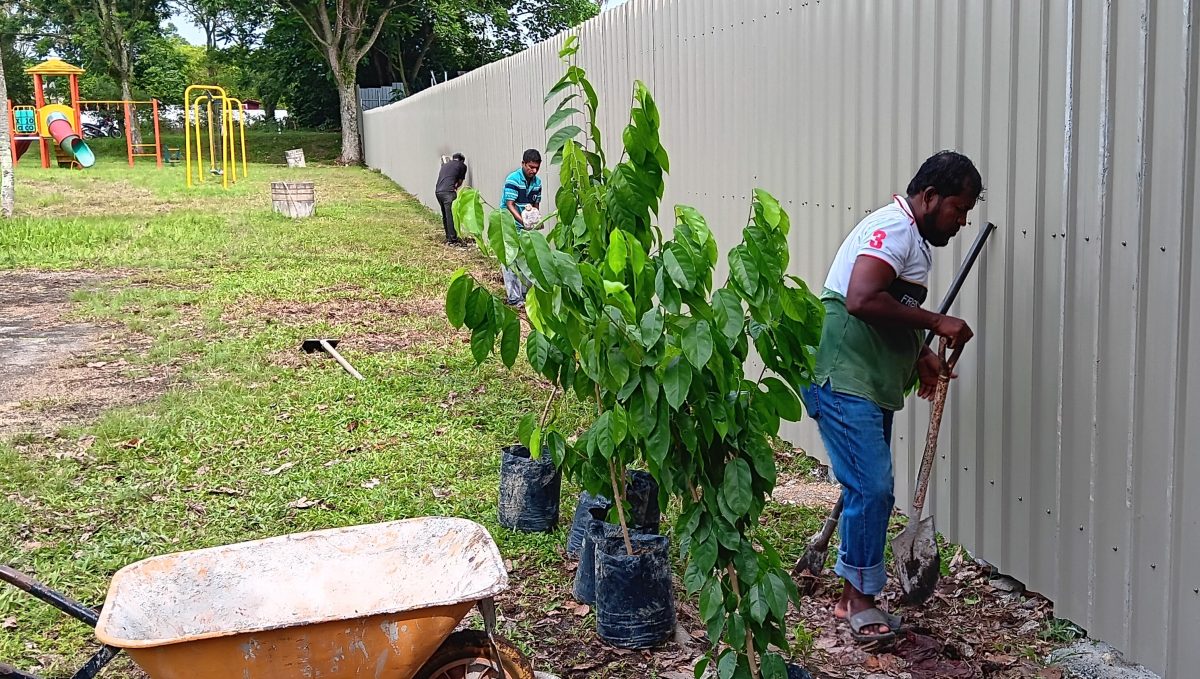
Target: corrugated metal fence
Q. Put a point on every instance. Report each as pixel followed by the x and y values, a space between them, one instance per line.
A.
pixel 374 97
pixel 1071 453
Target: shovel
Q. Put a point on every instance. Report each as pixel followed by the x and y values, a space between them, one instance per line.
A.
pixel 915 550
pixel 811 563
pixel 315 344
pixel 807 570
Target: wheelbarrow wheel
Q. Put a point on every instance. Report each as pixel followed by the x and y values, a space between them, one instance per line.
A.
pixel 468 654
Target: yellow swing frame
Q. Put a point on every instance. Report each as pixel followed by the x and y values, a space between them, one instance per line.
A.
pixel 207 95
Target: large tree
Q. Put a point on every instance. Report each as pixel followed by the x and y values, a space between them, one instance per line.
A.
pixel 108 31
pixel 343 32
pixel 7 190
pixel 460 35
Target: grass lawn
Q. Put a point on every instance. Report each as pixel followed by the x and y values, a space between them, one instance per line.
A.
pixel 252 439
pixel 190 306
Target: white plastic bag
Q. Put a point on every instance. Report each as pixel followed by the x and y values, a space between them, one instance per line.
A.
pixel 532 217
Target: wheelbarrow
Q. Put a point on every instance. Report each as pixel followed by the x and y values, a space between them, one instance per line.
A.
pixel 378 600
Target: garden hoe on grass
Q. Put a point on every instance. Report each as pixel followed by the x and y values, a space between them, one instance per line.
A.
pixel 809 566
pixel 915 549
pixel 313 345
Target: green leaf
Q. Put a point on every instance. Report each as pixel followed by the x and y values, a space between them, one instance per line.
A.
pixel 704 554
pixel 698 344
pixel 502 236
pixel 737 486
pixel 482 341
pixel 525 428
pixel 570 47
pixel 510 341
pixel 728 312
pixel 676 382
pixel 658 444
pixel 618 425
pixel 637 256
pixel 712 600
pixel 759 608
pixel 561 115
pixel 567 271
pixel 737 633
pixel 590 93
pixel 694 578
pixel 479 306
pixel 612 287
pixel 743 269
pixel 746 563
pixel 558 139
pixel 702 667
pixel 786 403
pixel 771 209
pixel 456 298
pixel 559 86
pixel 777 595
pixel 680 266
pixel 727 665
pixel 651 327
pixel 617 251
pixel 535 443
pixel 537 350
pixel 726 534
pixel 601 432
pixel 772 666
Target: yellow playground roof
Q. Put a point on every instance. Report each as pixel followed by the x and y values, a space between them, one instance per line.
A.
pixel 54 66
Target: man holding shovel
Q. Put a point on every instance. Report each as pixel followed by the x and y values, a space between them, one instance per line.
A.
pixel 871 345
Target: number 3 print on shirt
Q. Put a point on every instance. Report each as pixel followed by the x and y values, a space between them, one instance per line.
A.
pixel 877 241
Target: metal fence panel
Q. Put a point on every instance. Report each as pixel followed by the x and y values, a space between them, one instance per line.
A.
pixel 1069 455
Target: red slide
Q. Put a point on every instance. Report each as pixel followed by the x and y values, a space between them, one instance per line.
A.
pixel 64 135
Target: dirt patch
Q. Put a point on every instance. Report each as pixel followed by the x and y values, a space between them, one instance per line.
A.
pixel 795 490
pixel 377 324
pixel 339 311
pixel 969 630
pixel 50 199
pixel 55 372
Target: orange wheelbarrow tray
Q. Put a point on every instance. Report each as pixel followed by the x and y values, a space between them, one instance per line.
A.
pixel 378 600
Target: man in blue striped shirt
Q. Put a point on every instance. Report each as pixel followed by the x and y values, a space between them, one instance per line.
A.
pixel 522 188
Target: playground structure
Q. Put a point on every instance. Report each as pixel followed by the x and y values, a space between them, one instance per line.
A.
pixel 45 122
pixel 62 123
pixel 128 107
pixel 219 109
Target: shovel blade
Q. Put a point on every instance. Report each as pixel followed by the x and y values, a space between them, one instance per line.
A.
pixel 313 344
pixel 918 562
pixel 809 567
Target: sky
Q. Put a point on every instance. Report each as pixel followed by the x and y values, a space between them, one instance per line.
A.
pixel 190 32
pixel 195 35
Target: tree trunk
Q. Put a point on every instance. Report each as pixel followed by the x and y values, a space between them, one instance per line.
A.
pixel 7 191
pixel 127 94
pixel 348 103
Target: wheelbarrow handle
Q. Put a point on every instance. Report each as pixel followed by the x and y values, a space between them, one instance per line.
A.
pixel 10 672
pixel 65 604
pixel 60 601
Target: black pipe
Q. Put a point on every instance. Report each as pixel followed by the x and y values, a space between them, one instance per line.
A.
pixel 96 663
pixel 963 272
pixel 62 602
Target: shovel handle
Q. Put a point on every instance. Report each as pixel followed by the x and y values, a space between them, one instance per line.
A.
pixel 821 539
pixel 935 427
pixel 341 361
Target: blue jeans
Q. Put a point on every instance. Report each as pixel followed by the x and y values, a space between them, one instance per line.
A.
pixel 857 434
pixel 516 287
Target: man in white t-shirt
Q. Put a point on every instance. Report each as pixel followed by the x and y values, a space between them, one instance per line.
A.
pixel 871 351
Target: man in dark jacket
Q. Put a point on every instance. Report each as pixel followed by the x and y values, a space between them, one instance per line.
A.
pixel 450 177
